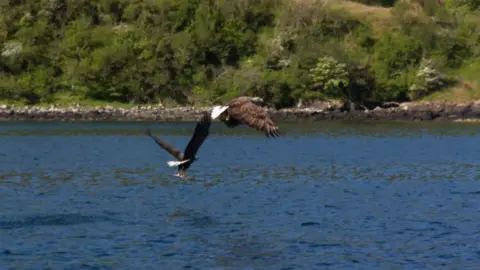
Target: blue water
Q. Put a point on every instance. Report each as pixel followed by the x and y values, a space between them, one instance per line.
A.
pixel 328 195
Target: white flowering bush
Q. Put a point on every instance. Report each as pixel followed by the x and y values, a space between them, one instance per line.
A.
pixel 330 76
pixel 428 79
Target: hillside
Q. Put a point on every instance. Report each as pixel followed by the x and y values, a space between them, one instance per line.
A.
pixel 204 51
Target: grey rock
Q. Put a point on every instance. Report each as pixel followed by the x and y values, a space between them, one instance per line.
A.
pixel 404 111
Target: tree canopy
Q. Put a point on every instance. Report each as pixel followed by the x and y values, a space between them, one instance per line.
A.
pixel 204 51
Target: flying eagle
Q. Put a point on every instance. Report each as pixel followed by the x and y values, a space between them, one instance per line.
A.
pixel 184 160
pixel 243 110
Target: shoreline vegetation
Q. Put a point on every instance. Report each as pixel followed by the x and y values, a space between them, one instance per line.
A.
pixel 407 111
pixel 392 59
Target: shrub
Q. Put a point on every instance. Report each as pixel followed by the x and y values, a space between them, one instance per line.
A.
pixel 395 60
pixel 331 77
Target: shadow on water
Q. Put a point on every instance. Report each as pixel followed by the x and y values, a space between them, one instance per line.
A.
pixel 326 195
pixel 52 220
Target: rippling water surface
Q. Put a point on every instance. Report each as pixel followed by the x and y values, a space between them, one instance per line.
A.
pixel 340 195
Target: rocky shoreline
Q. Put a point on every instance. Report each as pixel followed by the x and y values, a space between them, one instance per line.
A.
pixel 324 111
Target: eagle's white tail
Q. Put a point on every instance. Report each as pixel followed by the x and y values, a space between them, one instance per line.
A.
pixel 176 163
pixel 217 110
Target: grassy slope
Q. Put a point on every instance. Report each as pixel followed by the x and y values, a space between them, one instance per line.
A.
pixel 467 90
pixel 380 19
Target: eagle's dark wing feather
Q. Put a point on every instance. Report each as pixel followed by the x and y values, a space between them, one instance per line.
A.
pixel 172 150
pixel 253 116
pixel 202 130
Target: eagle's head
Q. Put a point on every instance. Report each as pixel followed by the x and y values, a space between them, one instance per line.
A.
pixel 218 110
pixel 257 100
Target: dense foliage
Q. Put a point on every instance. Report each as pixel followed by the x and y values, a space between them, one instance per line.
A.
pixel 188 51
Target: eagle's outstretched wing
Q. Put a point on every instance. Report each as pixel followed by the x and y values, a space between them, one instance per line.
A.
pixel 202 130
pixel 254 116
pixel 172 150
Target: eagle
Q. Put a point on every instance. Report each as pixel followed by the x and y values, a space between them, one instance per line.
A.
pixel 243 110
pixel 184 160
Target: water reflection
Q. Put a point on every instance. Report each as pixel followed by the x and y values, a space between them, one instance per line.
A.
pixel 378 129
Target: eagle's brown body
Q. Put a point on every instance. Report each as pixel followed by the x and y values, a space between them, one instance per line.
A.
pixel 243 110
